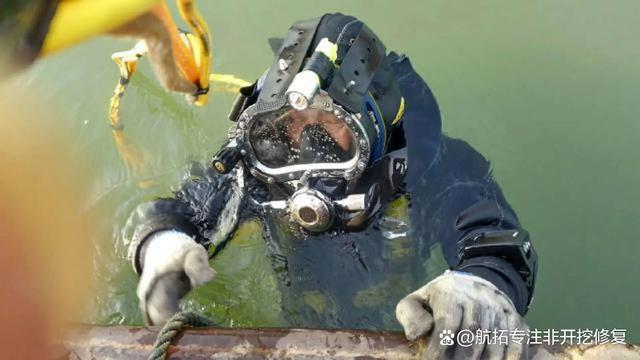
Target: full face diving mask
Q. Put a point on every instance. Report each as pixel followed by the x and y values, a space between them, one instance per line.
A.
pixel 313 127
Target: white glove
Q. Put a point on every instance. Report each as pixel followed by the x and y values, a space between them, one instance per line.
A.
pixel 458 301
pixel 173 264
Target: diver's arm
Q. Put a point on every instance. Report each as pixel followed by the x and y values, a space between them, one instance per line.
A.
pixel 491 282
pixel 166 243
pixel 157 216
pixel 455 202
pixel 206 207
pixel 487 237
pixel 467 209
pixel 498 250
pixel 454 195
pixel 173 264
pixel 168 247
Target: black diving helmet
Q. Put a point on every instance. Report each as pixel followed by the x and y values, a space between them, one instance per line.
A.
pixel 316 121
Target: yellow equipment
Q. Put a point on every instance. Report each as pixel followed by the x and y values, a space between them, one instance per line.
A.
pixel 78 20
pixel 180 60
pixel 192 55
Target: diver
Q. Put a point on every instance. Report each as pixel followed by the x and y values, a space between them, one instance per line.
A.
pixel 333 134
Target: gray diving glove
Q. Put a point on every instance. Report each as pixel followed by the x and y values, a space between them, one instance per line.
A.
pixel 173 264
pixel 457 302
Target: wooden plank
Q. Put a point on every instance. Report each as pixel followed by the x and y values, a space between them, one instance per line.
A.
pixel 120 342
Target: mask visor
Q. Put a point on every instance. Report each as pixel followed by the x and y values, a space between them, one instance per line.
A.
pixel 290 137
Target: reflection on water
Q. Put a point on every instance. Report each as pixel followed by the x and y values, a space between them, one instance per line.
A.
pixel 393 228
pixel 546 90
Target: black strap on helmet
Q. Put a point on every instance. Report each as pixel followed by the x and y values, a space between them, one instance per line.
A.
pixel 351 82
pixel 246 96
pixel 287 64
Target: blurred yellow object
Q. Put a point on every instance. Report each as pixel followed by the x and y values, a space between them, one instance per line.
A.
pixel 79 20
pixel 178 62
pixel 127 62
pixel 200 46
pixel 182 63
pixel 45 239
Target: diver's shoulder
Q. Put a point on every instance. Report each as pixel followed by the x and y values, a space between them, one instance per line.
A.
pixel 401 64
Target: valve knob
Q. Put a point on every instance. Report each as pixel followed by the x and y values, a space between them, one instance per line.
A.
pixel 226 159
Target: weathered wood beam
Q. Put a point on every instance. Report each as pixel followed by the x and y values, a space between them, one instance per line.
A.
pixel 120 342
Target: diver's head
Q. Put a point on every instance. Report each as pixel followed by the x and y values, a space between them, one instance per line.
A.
pixel 318 118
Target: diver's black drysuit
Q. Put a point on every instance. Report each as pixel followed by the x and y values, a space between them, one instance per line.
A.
pixel 453 199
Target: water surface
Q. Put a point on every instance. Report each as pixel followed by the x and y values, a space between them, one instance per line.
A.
pixel 546 90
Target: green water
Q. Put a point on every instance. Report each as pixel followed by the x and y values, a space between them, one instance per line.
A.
pixel 547 90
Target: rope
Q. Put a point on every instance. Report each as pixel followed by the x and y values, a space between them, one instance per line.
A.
pixel 172 328
pixel 127 62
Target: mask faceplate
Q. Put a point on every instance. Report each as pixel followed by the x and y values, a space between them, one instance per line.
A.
pixel 291 137
pixel 289 145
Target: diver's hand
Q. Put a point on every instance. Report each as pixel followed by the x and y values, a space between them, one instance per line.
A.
pixel 458 301
pixel 173 264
